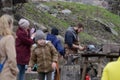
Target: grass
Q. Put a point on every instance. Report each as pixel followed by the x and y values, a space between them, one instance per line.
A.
pixel 43 17
pixel 82 11
pixel 88 10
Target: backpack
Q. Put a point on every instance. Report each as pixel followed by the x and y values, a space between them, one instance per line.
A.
pixel 56 42
pixel 2 64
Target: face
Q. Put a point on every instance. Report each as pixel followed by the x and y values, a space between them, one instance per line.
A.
pixel 79 30
pixel 27 27
pixel 41 42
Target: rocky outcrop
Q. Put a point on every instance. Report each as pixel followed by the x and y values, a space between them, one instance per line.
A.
pixel 107 26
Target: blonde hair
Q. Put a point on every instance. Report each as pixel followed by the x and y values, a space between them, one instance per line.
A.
pixel 6 24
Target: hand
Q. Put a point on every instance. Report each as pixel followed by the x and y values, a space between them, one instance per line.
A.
pixel 54 65
pixel 29 69
pixel 82 48
pixel 33 35
pixel 32 30
pixel 15 73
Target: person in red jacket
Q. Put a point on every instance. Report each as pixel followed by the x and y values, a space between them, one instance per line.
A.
pixel 23 44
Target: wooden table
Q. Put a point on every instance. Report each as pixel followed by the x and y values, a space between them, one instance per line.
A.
pixel 100 57
pixel 111 56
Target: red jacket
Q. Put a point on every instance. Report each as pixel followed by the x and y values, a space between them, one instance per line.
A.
pixel 23 45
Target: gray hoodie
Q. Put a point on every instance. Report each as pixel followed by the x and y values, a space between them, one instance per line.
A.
pixel 71 29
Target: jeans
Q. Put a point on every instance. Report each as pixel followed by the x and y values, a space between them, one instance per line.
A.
pixel 45 76
pixel 21 72
pixel 53 75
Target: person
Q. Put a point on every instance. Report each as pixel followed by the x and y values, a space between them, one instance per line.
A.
pixel 44 55
pixel 7 49
pixel 55 41
pixel 58 45
pixel 72 39
pixel 111 70
pixel 23 45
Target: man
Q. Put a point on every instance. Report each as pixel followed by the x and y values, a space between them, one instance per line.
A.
pixel 112 70
pixel 72 39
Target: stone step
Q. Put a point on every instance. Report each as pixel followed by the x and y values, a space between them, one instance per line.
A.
pixel 31 76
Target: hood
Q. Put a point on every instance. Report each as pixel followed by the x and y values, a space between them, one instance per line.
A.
pixel 71 29
pixel 51 37
pixel 21 31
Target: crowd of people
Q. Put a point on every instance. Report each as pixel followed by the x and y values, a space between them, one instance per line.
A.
pixel 32 47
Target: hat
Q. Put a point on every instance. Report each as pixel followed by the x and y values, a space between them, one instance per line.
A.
pixel 40 35
pixel 54 31
pixel 23 23
pixel 91 48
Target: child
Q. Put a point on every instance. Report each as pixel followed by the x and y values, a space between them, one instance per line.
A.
pixel 44 55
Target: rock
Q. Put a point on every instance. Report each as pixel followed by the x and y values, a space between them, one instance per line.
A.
pixel 43 7
pixel 31 76
pixel 70 72
pixel 38 26
pixel 108 26
pixel 55 15
pixel 111 48
pixel 66 11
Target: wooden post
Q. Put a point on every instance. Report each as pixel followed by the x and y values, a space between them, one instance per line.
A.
pixel 84 68
pixel 99 67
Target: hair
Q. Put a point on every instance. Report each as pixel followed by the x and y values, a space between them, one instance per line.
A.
pixel 6 23
pixel 24 23
pixel 79 25
pixel 54 31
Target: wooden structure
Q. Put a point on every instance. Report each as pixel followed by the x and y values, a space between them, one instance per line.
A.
pixel 70 72
pixel 99 57
pixel 109 51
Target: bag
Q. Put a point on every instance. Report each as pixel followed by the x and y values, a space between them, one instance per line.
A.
pixel 1 66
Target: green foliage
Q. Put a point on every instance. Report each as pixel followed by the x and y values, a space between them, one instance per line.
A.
pixel 83 13
pixel 43 17
pixel 86 38
pixel 87 11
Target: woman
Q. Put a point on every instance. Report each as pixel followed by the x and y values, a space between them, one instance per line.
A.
pixel 7 49
pixel 23 45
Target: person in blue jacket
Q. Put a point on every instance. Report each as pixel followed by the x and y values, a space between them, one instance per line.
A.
pixel 55 41
pixel 57 44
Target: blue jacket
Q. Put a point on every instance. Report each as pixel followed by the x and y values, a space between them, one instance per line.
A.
pixel 56 42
